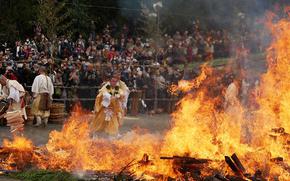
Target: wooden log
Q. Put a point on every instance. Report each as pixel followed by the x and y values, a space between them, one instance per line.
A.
pixel 189 160
pixel 18 116
pixel 258 176
pixel 145 159
pixel 12 130
pixel 238 163
pixel 14 118
pixel 14 114
pixel 166 158
pixel 19 120
pixel 277 159
pixel 191 167
pixel 236 178
pixel 221 177
pixel 15 124
pixel 17 127
pixel 20 129
pixel 17 130
pixel 8 171
pixel 278 130
pixel 15 121
pixel 232 165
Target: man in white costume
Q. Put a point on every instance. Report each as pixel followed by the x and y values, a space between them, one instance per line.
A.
pixel 14 93
pixel 42 89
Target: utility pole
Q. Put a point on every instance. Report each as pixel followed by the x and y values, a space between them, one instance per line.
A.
pixel 76 7
pixel 157 6
pixel 158 21
pixel 155 93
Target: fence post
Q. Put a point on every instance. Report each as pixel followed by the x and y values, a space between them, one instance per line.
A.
pixel 155 95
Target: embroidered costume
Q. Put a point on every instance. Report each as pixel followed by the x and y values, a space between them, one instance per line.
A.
pixel 110 107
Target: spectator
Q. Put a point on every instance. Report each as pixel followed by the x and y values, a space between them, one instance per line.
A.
pixel 89 62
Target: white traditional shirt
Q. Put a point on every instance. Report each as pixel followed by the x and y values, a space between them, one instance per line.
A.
pixel 42 84
pixel 13 90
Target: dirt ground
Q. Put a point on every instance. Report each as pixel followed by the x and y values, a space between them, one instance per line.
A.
pixel 39 136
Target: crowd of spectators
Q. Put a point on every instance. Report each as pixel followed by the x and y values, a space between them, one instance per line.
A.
pixel 78 66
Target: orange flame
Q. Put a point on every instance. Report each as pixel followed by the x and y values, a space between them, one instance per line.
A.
pixel 185 86
pixel 20 143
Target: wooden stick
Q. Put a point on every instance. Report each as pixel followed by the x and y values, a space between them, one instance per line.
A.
pixel 8 171
pixel 17 129
pixel 232 165
pixel 220 177
pixel 238 163
pixel 12 115
pixel 185 158
pixel 125 167
pixel 15 124
pixel 15 120
pixel 13 128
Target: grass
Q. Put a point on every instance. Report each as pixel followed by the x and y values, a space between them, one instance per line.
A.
pixel 43 175
pixel 223 61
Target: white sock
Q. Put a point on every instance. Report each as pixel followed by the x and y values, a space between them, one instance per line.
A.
pixel 38 120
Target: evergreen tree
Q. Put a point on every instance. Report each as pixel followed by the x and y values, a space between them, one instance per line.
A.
pixel 16 19
pixel 54 17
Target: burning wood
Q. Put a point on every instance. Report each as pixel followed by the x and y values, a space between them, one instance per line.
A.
pixel 15 121
pixel 238 163
pixel 7 171
pixel 188 165
pixel 186 159
pixel 233 166
pixel 240 172
pixel 280 161
pixel 219 177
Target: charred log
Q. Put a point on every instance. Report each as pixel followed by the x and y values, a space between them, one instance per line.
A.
pixel 185 159
pixel 232 165
pixel 238 163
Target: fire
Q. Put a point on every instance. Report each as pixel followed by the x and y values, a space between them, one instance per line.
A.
pixel 16 154
pixel 20 143
pixel 275 95
pixel 185 86
pixel 210 123
pixel 74 149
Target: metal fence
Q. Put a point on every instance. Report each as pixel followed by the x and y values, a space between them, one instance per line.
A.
pixel 138 100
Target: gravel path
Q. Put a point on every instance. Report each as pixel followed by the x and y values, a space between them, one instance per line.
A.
pixel 39 136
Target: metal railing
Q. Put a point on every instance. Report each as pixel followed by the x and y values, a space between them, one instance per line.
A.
pixel 86 95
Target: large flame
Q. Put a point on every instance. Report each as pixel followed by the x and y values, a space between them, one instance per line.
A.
pixel 185 85
pixel 74 149
pixel 275 95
